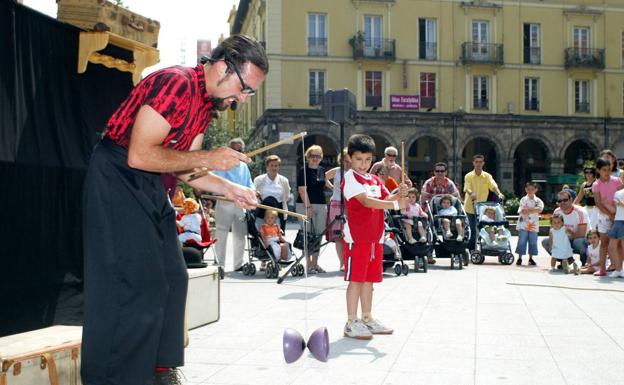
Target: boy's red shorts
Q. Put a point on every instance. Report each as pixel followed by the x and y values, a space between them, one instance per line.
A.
pixel 363 262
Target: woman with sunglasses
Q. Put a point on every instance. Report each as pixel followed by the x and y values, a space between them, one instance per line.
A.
pixel 585 196
pixel 311 184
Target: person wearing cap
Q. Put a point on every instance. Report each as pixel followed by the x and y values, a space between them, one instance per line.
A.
pixel 389 162
pixel 135 279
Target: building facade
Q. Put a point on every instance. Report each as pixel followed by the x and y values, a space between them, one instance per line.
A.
pixel 535 85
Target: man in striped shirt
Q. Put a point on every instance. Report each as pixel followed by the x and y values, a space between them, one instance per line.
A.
pixel 135 276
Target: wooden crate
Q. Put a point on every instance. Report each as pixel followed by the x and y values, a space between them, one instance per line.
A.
pixel 102 15
pixel 41 357
pixel 203 297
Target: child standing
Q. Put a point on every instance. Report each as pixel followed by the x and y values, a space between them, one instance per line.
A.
pixel 448 210
pixel 365 199
pixel 559 243
pixel 412 210
pixel 272 236
pixel 616 235
pixel 190 221
pixel 593 253
pixel 528 223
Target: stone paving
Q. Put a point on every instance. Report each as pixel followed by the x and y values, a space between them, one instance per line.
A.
pixel 486 324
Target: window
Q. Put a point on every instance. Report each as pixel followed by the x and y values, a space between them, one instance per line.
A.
pixel 581 40
pixel 622 49
pixel 480 38
pixel 480 93
pixel 372 35
pixel 373 88
pixel 581 96
pixel 427 39
pixel 316 86
pixel 532 49
pixel 427 90
pixel 531 94
pixel 317 35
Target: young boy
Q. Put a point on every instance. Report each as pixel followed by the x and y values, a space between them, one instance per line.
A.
pixel 365 199
pixel 528 223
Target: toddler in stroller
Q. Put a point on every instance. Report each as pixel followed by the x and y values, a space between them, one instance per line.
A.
pixel 493 239
pixel 448 210
pixel 411 212
pixel 273 238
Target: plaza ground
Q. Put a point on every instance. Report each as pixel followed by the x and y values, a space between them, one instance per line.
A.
pixel 486 324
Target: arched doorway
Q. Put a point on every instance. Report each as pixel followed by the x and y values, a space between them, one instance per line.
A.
pixel 531 163
pixel 422 155
pixel 380 145
pixel 577 153
pixel 327 144
pixel 482 146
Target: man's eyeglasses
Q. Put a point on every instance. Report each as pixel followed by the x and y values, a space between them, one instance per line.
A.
pixel 245 89
pixel 439 171
pixel 563 200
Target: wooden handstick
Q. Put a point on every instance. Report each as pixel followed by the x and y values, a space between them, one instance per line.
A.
pixel 203 171
pixel 282 211
pixel 403 162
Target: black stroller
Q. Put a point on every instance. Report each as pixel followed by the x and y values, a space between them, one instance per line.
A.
pixel 392 255
pixel 257 252
pixel 451 247
pixel 418 252
pixel 487 247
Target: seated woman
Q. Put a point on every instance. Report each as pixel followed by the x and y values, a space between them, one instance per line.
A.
pixel 190 221
pixel 493 235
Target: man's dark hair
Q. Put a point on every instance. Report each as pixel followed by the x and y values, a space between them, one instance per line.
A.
pixel 441 164
pixel 531 183
pixel 601 162
pixel 362 143
pixel 478 156
pixel 239 49
pixel 566 192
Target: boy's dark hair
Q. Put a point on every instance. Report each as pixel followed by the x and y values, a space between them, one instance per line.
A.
pixel 447 197
pixel 362 143
pixel 602 162
pixel 239 49
pixel 441 164
pixel 478 156
pixel 531 183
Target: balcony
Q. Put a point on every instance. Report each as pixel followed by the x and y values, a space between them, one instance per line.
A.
pixel 427 102
pixel 585 58
pixel 482 53
pixel 317 46
pixel 373 101
pixel 481 104
pixel 531 104
pixel 373 48
pixel 582 107
pixel 532 55
pixel 428 51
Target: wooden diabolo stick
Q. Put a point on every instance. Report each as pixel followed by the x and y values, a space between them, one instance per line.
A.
pixel 259 205
pixel 203 171
pixel 403 162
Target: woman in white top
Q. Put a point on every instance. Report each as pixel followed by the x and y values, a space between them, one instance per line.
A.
pixel 334 232
pixel 274 185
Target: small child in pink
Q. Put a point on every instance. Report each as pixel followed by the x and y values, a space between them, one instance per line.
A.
pixel 412 210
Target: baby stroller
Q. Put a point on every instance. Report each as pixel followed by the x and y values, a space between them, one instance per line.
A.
pixel 451 247
pixel 417 252
pixel 258 252
pixel 392 255
pixel 500 248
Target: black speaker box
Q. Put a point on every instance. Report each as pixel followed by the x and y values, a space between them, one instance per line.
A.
pixel 339 106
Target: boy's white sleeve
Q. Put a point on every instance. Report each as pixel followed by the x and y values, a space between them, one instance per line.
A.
pixel 352 187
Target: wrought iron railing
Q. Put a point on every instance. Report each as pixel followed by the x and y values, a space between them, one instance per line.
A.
pixel 585 58
pixel 483 53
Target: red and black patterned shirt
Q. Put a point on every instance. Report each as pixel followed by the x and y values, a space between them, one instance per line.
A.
pixel 178 94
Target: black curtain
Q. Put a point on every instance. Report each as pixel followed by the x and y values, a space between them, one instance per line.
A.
pixel 50 118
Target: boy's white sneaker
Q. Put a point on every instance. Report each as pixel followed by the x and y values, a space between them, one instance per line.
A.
pixel 376 327
pixel 356 329
pixel 615 274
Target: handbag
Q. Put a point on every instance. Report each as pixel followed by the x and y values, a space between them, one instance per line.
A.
pixel 314 243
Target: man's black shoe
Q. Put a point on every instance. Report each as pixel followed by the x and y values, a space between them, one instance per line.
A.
pixel 168 377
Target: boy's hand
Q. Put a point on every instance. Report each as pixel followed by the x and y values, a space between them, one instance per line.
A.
pixel 403 190
pixel 402 203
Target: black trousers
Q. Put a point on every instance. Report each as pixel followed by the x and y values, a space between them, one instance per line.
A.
pixel 135 275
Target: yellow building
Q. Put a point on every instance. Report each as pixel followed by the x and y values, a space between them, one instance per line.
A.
pixel 534 84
